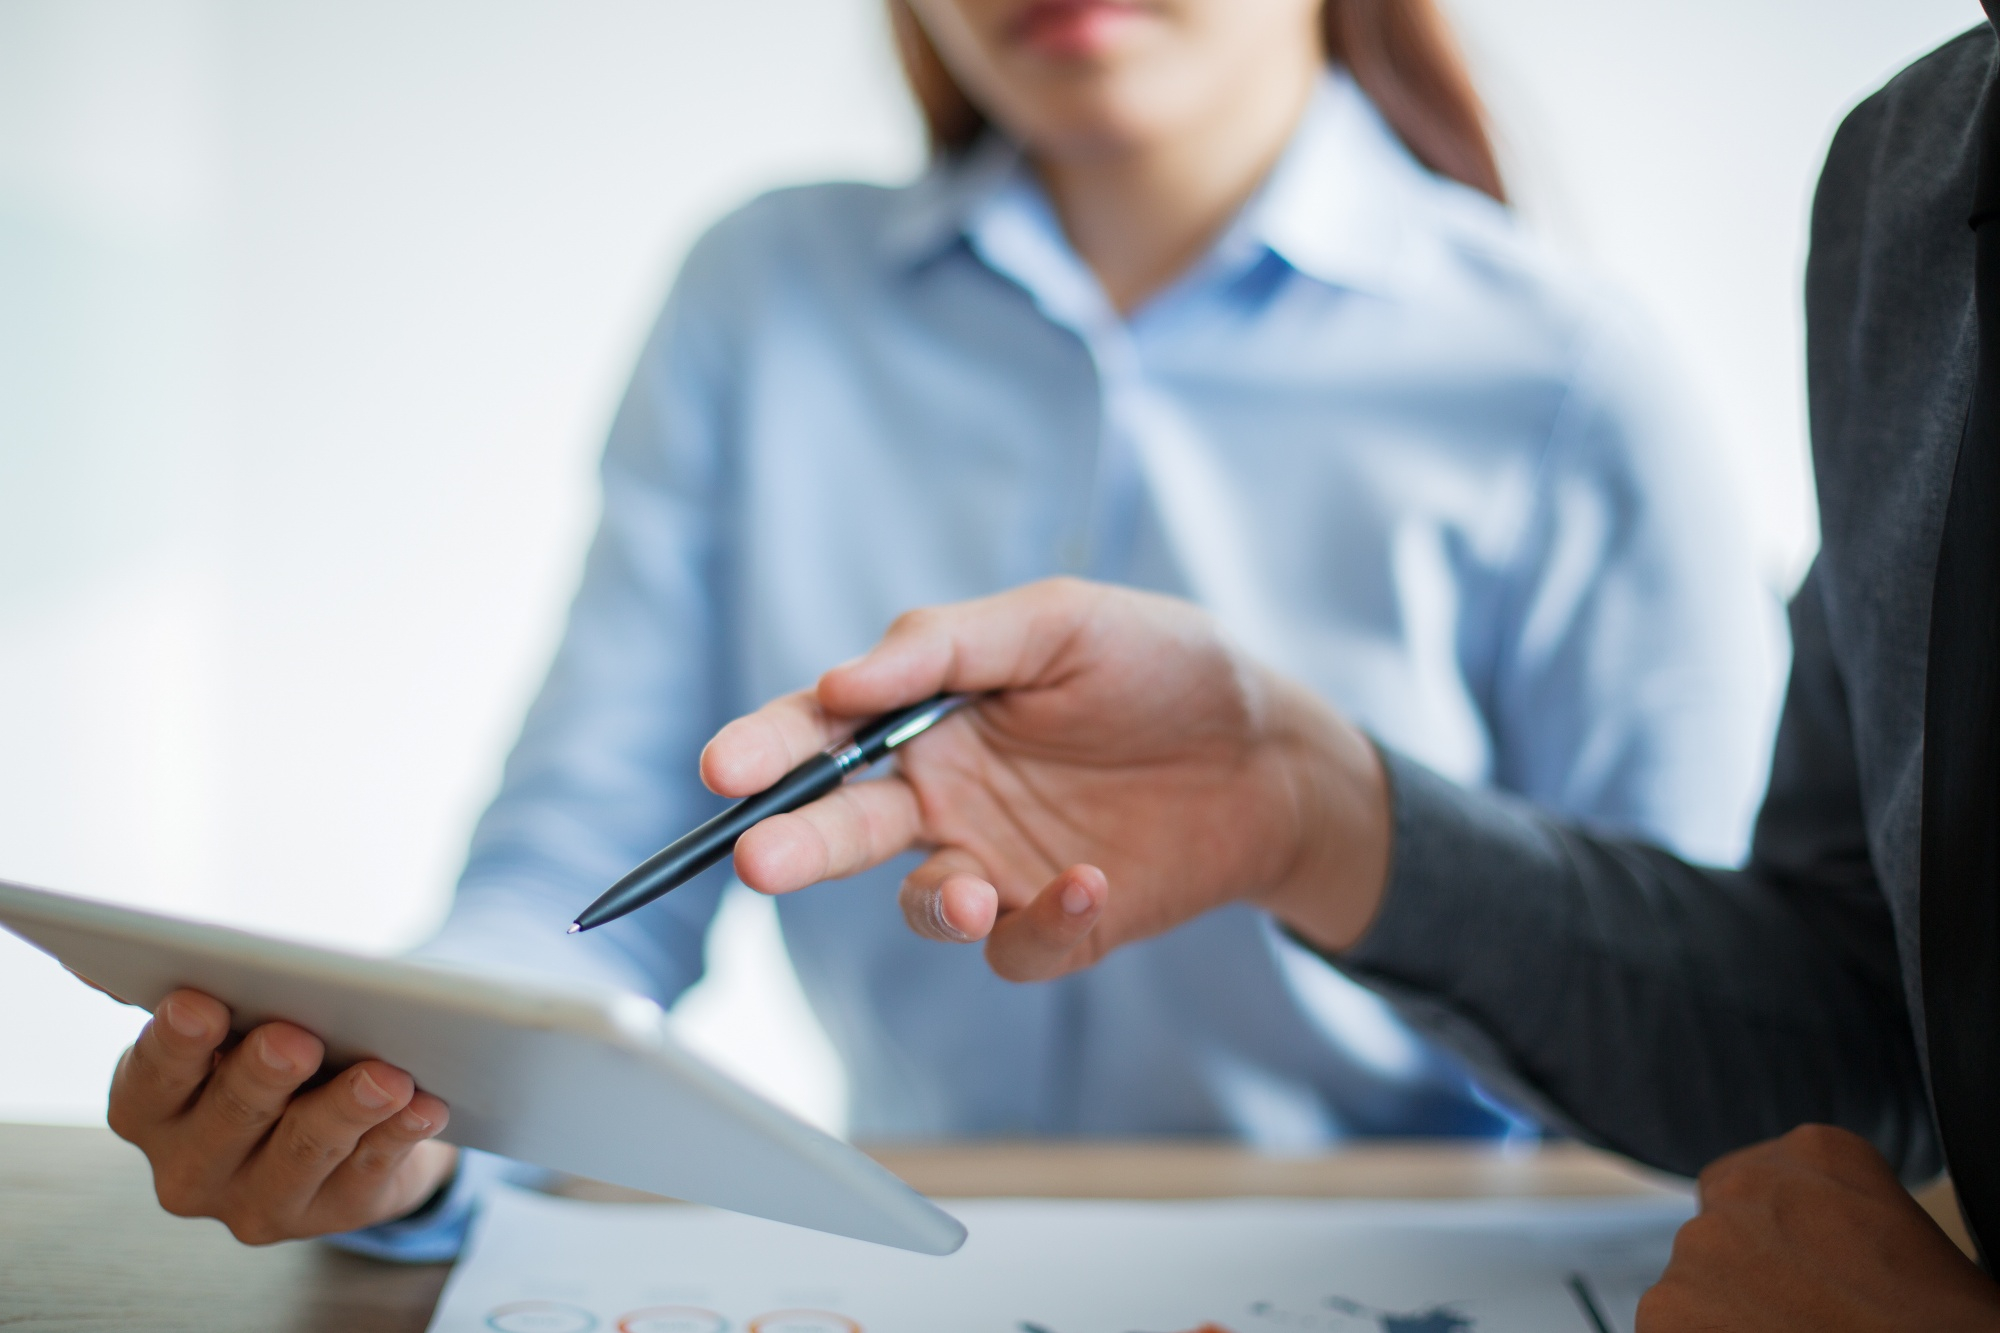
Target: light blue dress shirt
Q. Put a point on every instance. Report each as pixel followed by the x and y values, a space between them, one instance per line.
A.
pixel 1400 452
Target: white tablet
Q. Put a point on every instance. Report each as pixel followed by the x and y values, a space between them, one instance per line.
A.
pixel 574 1079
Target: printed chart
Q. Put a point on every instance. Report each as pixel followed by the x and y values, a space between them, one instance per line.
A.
pixel 542 1265
pixel 558 1317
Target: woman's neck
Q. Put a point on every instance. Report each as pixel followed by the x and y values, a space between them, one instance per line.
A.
pixel 1141 214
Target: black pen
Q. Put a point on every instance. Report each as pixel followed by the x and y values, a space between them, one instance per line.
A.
pixel 681 861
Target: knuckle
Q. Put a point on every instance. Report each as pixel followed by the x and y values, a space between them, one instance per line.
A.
pixel 914 621
pixel 146 1076
pixel 1664 1306
pixel 306 1149
pixel 255 1231
pixel 1071 597
pixel 120 1121
pixel 178 1195
pixel 855 828
pixel 371 1159
pixel 234 1110
pixel 177 1205
pixel 158 1082
pixel 1824 1146
pixel 140 1066
pixel 1698 1241
pixel 1731 1178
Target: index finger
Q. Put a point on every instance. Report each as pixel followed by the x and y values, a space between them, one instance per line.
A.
pixel 158 1077
pixel 758 748
pixel 1006 641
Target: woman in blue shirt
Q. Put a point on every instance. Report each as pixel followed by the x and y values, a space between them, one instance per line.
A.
pixel 1214 297
pixel 1196 318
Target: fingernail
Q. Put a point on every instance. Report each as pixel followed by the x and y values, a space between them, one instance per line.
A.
pixel 368 1092
pixel 183 1020
pixel 943 924
pixel 274 1058
pixel 1076 900
pixel 414 1123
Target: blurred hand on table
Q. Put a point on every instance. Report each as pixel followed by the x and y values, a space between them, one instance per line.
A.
pixel 1813 1232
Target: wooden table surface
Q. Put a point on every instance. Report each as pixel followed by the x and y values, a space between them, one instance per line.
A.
pixel 84 1248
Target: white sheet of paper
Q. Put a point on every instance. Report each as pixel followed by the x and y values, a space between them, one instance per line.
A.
pixel 544 1265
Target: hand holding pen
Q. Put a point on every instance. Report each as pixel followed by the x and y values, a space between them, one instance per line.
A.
pixel 1125 769
pixel 686 857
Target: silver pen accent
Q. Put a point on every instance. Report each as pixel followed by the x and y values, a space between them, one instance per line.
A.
pixel 700 848
pixel 924 721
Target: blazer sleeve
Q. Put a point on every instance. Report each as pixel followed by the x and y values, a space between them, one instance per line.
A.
pixel 1666 1010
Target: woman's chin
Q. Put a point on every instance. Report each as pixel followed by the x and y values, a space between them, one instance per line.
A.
pixel 1102 113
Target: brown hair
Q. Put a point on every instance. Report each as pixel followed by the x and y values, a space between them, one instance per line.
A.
pixel 1401 52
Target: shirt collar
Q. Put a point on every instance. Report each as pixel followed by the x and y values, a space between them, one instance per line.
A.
pixel 1334 207
pixel 1337 205
pixel 938 209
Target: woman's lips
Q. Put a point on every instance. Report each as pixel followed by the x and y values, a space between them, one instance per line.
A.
pixel 1072 28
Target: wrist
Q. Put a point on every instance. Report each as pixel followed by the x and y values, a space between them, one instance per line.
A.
pixel 1332 871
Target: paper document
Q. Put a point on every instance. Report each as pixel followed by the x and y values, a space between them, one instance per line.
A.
pixel 542 1265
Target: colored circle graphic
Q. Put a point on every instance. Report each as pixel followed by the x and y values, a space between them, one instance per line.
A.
pixel 540 1317
pixel 673 1319
pixel 803 1321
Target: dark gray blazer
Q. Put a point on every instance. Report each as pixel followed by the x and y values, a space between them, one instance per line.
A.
pixel 1675 1013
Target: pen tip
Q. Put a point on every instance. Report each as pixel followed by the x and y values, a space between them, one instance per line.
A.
pixel 575 926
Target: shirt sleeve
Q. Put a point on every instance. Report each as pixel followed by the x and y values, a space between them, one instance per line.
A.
pixel 1665 1010
pixel 604 772
pixel 1632 670
pixel 436 1232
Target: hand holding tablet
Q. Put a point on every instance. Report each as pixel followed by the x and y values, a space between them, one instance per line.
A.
pixel 238 1134
pixel 576 1079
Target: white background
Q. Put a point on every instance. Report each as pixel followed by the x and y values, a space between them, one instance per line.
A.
pixel 312 318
